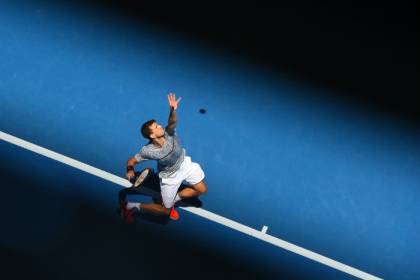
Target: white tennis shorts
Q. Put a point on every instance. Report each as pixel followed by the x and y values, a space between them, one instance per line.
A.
pixel 190 172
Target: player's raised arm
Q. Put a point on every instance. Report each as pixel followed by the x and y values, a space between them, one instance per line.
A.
pixel 173 104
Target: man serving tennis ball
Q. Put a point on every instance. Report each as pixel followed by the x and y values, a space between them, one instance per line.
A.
pixel 174 167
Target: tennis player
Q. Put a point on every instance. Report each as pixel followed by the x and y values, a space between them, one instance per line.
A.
pixel 174 167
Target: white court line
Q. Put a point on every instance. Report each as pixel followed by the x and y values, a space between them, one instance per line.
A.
pixel 198 211
pixel 264 229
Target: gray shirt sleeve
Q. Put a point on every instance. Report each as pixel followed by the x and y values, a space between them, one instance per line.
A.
pixel 141 156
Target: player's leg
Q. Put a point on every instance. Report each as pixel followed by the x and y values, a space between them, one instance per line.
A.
pixel 168 193
pixel 188 192
pixel 201 187
pixel 128 209
pixel 195 178
pixel 194 190
pixel 169 188
pixel 155 208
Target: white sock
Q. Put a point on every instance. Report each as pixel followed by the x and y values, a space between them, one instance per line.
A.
pixel 131 205
pixel 177 198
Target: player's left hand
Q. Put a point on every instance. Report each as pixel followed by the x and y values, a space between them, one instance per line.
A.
pixel 173 103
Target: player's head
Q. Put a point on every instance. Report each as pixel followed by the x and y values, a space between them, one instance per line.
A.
pixel 151 130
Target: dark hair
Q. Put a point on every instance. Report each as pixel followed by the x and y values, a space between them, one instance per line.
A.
pixel 145 129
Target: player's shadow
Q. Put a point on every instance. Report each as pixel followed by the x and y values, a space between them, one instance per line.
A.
pixel 151 188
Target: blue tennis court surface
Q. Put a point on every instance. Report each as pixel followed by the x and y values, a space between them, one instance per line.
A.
pixel 321 173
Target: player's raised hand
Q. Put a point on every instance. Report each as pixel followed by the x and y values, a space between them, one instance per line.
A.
pixel 173 103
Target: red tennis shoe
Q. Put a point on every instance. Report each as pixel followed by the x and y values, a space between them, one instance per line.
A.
pixel 173 214
pixel 127 215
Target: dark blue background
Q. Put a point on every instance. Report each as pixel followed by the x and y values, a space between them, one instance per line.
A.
pixel 322 169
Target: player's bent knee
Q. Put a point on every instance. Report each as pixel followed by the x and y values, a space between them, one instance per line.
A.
pixel 204 189
pixel 201 187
